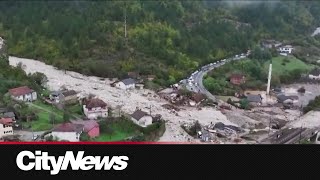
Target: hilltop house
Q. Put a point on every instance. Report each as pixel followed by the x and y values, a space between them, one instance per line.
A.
pixel 315 74
pixel 125 84
pixel 237 79
pixel 285 50
pixel 91 127
pixel 23 93
pixel 94 108
pixel 141 118
pixel 68 132
pixel 6 127
pixel 255 100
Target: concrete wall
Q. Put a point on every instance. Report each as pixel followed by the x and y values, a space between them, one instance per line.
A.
pixel 5 130
pixel 144 121
pixel 27 97
pixel 95 112
pixel 68 136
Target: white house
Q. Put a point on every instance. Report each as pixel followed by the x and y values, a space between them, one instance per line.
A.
pixel 68 132
pixel 94 108
pixel 141 118
pixel 286 49
pixel 5 127
pixel 126 84
pixel 23 93
pixel 315 74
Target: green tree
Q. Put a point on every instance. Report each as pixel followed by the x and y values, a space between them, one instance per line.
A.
pixel 66 116
pixel 244 104
pixel 39 78
pixel 52 119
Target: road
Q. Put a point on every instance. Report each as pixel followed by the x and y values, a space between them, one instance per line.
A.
pixel 290 136
pixel 195 81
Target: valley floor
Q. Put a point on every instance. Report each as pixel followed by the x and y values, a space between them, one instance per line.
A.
pixel 129 100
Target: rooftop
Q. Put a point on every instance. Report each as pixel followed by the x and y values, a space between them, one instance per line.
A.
pixel 20 91
pixel 283 97
pixel 128 81
pixel 69 127
pixel 138 114
pixel 9 115
pixel 254 98
pixel 88 124
pixel 6 121
pixel 94 103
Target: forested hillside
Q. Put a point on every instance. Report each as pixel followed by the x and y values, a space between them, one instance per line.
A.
pixel 165 38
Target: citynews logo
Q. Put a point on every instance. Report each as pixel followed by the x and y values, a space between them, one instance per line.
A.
pixel 42 161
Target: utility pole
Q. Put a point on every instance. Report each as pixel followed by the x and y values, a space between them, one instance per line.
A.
pixel 269 78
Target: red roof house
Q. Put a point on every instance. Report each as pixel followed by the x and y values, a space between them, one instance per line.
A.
pixel 20 91
pixel 237 79
pixel 23 93
pixel 6 121
pixel 68 132
pixel 95 108
pixel 91 127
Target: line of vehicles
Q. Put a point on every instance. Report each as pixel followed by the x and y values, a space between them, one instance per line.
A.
pixel 191 83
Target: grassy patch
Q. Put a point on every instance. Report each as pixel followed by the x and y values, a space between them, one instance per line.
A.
pixel 281 65
pixel 120 129
pixel 75 109
pixel 116 136
pixel 43 112
pixel 117 129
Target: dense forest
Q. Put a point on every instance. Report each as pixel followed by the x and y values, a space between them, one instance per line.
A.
pixel 166 38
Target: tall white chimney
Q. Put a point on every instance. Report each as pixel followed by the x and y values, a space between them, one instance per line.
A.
pixel 269 78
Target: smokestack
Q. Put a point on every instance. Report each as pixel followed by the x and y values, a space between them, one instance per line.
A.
pixel 269 78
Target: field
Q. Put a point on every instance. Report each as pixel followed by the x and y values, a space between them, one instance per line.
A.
pixel 116 130
pixel 281 65
pixel 122 128
pixel 44 110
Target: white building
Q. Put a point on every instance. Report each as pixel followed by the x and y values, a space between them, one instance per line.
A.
pixel 286 49
pixel 5 127
pixel 67 132
pixel 95 108
pixel 23 93
pixel 141 118
pixel 126 84
pixel 315 74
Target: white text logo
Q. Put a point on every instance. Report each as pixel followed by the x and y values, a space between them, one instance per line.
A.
pixel 42 161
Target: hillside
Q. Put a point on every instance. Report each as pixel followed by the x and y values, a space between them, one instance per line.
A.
pixel 165 38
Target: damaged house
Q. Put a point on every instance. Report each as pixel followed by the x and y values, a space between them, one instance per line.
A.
pixel 196 99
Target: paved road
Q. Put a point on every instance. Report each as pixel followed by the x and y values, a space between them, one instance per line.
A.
pixel 290 136
pixel 195 81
